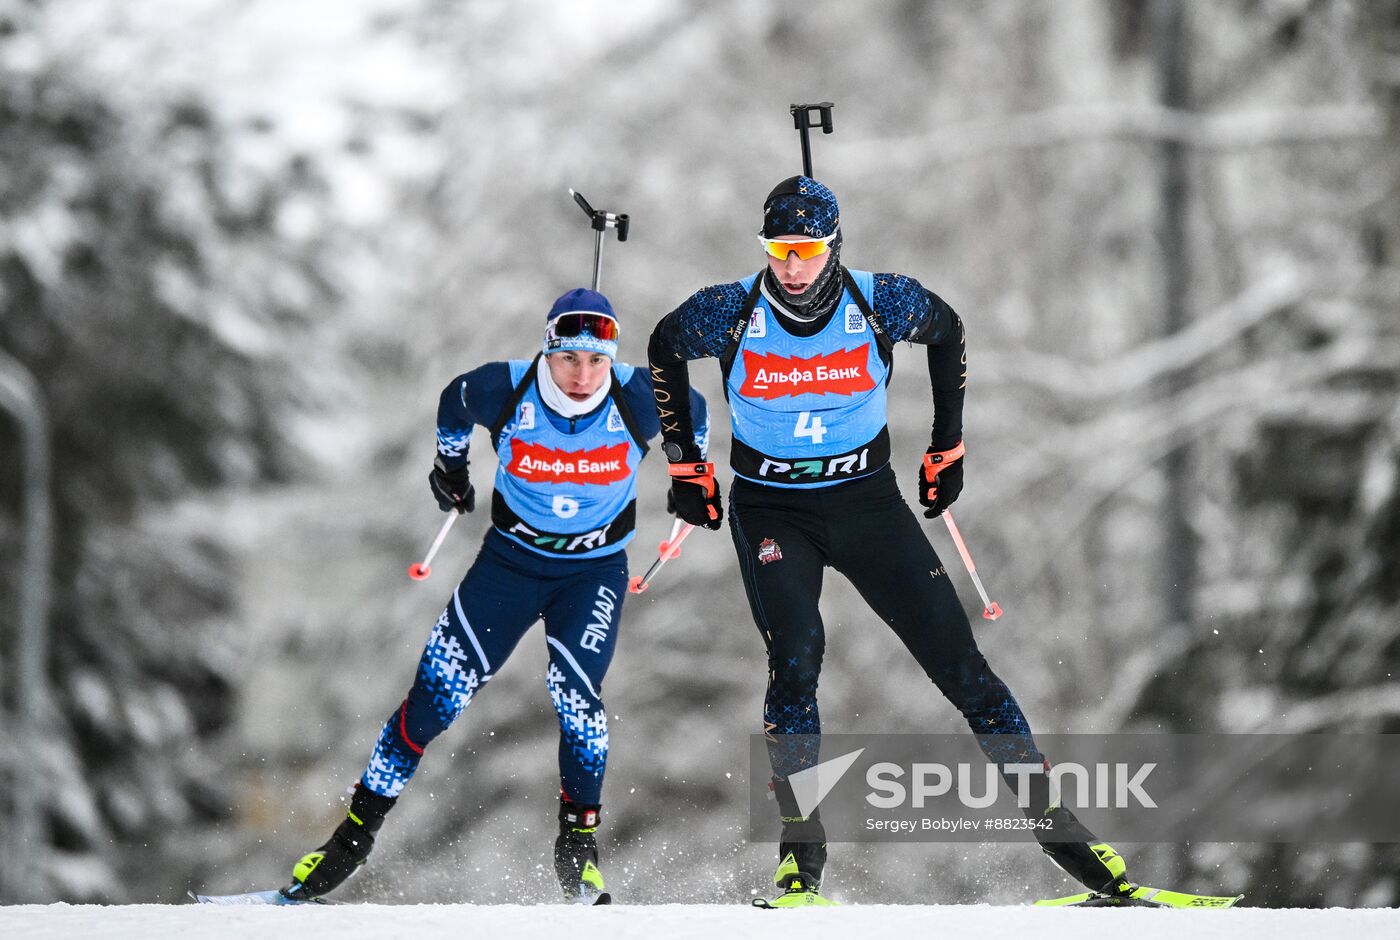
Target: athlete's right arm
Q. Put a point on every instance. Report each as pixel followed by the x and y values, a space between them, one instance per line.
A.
pixel 697 329
pixel 467 400
pixel 474 397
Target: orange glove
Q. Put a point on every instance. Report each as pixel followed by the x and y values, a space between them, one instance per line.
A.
pixel 696 495
pixel 940 479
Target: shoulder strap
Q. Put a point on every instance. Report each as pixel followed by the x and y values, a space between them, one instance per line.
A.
pixel 736 332
pixel 882 339
pixel 620 400
pixel 513 402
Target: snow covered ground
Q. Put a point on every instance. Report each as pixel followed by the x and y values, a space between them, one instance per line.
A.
pixel 682 920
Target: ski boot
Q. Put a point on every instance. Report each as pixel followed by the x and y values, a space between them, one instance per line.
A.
pixel 327 868
pixel 799 875
pixel 576 855
pixel 1094 864
pixel 1070 845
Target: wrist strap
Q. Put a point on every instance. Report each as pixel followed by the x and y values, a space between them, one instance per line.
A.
pixel 702 474
pixel 698 469
pixel 936 461
pixel 449 473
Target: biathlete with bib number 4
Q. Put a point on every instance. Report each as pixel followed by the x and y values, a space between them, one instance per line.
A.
pixel 805 348
pixel 570 428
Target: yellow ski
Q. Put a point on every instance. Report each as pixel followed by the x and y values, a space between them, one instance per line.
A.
pixel 1142 896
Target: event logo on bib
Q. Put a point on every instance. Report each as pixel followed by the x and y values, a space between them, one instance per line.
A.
pixel 538 464
pixel 770 376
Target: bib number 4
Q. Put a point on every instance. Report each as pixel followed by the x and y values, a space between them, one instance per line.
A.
pixel 808 426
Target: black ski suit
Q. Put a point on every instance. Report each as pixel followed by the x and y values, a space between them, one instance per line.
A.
pixel 856 522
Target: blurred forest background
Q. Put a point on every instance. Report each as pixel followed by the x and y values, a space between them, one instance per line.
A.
pixel 244 243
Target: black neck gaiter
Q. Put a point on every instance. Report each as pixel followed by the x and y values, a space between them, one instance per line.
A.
pixel 820 297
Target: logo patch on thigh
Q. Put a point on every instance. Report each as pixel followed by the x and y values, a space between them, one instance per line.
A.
pixel 768 551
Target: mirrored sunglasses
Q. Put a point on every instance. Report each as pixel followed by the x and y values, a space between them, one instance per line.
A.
pixel 806 248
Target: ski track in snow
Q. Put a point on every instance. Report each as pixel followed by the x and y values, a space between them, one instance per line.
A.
pixel 413 922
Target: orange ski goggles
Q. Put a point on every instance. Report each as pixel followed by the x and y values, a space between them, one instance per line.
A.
pixel 806 248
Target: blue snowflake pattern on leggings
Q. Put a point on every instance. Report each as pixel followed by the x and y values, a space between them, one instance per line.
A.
pixel 391 765
pixel 447 672
pixel 582 720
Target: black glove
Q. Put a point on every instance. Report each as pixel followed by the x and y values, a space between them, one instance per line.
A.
pixel 940 479
pixel 451 488
pixel 695 495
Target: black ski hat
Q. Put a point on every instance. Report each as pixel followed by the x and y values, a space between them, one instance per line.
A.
pixel 800 205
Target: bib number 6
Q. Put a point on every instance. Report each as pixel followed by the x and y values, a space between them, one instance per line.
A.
pixel 565 507
pixel 807 426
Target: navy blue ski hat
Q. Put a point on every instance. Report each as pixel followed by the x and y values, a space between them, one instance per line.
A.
pixel 582 319
pixel 800 205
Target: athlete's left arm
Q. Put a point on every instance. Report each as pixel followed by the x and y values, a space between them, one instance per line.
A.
pixel 909 311
pixel 638 391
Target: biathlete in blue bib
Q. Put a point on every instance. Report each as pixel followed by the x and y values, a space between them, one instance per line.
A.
pixel 805 348
pixel 569 428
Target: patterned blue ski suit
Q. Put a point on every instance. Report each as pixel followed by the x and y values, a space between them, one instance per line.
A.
pixel 563 509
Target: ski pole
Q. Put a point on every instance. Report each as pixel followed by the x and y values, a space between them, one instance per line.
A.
pixel 421 570
pixel 601 222
pixel 802 120
pixel 669 549
pixel 991 610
